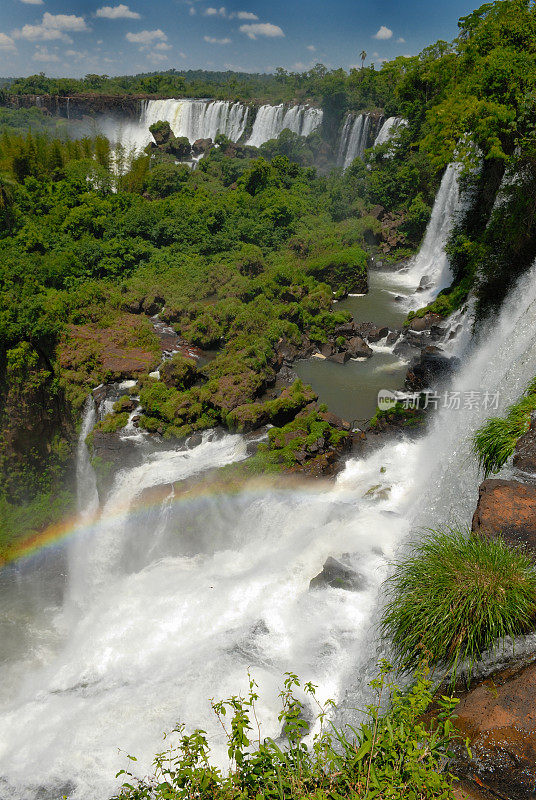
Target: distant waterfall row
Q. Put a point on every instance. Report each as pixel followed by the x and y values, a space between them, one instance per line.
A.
pixel 205 119
pixel 362 131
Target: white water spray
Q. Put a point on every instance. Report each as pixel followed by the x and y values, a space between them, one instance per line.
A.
pixel 430 269
pixel 270 121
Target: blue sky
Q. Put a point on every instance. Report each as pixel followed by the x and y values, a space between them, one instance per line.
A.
pixel 73 37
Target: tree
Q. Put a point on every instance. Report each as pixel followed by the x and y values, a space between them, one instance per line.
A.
pixel 363 57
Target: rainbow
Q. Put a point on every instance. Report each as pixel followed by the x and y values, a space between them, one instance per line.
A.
pixel 56 534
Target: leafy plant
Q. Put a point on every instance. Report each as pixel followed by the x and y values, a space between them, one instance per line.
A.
pixel 395 755
pixel 456 596
pixel 495 441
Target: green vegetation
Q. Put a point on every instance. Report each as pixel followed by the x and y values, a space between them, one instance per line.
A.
pixel 395 755
pixel 456 596
pixel 495 441
pixel 398 414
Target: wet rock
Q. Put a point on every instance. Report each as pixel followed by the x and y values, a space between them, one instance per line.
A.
pixel 371 332
pixel 194 440
pixel 432 368
pixel 348 329
pixel 525 452
pixel 340 358
pixel 338 576
pixel 326 349
pixel 335 421
pixel 358 348
pixel 507 509
pixel 426 322
pixel 499 717
pixel 202 146
pixel 404 349
pixel 110 453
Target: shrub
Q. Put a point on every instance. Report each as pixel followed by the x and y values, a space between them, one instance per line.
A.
pixel 395 756
pixel 457 595
pixel 495 441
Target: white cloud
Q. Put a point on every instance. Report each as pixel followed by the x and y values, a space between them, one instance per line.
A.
pixel 311 47
pixel 155 57
pixel 192 11
pixel 6 42
pixel 117 12
pixel 401 40
pixel 383 33
pixel 33 2
pixel 146 38
pixel 261 29
pixel 244 15
pixel 163 46
pixel 52 27
pixel 64 22
pixel 214 40
pixel 182 55
pixel 215 12
pixel 75 54
pixel 42 54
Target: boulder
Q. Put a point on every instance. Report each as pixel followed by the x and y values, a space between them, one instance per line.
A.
pixel 525 452
pixel 358 348
pixel 202 146
pixel 326 349
pixel 507 509
pixel 338 576
pixel 348 329
pixel 335 421
pixel 426 322
pixel 371 332
pixel 340 358
pixel 430 370
pixel 392 338
pixel 498 716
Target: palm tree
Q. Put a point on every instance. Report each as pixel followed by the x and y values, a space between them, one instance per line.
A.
pixel 363 57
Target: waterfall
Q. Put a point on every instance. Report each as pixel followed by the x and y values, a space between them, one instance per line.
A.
pixel 430 268
pixel 86 484
pixel 388 129
pixel 205 119
pixel 197 119
pixel 271 120
pixel 181 596
pixel 354 139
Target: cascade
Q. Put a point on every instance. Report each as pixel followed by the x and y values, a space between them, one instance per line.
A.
pixel 388 129
pixel 354 139
pixel 204 119
pixel 271 120
pixel 429 270
pixel 181 596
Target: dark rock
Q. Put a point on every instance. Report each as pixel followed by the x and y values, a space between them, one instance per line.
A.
pixel 525 452
pixel 112 453
pixel 335 421
pixel 392 337
pixel 338 576
pixel 340 358
pixel 371 332
pixel 326 349
pixel 404 349
pixel 348 329
pixel 202 146
pixel 358 348
pixel 498 716
pixel 152 305
pixel 507 509
pixel 437 331
pixel 426 322
pixel 194 440
pixel 429 371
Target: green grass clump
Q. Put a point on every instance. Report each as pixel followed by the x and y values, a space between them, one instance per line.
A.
pixel 495 441
pixel 456 596
pixel 395 755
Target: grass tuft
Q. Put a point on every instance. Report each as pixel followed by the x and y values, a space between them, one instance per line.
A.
pixel 456 596
pixel 495 441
